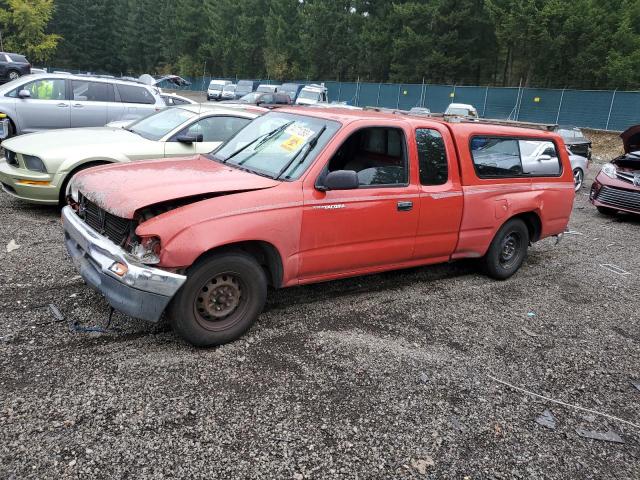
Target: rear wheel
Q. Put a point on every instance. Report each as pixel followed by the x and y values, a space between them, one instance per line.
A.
pixel 221 299
pixel 13 75
pixel 607 211
pixel 578 178
pixel 507 250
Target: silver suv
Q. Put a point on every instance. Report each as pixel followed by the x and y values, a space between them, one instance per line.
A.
pixel 48 101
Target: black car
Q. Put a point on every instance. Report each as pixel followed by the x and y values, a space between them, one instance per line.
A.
pixel 13 66
pixel 575 140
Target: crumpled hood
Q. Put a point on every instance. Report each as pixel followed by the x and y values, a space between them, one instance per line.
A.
pixel 126 188
pixel 631 139
pixel 43 143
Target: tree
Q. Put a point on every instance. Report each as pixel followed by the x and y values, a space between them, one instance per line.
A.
pixel 23 28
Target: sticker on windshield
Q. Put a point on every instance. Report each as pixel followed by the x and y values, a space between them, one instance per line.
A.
pixel 298 131
pixel 292 143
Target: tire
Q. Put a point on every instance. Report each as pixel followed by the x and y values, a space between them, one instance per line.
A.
pixel 607 211
pixel 13 75
pixel 62 195
pixel 578 179
pixel 507 251
pixel 204 319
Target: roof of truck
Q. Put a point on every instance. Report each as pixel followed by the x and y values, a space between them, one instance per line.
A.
pixel 495 127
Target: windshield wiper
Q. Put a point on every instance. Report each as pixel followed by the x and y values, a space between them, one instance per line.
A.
pixel 265 137
pixel 310 144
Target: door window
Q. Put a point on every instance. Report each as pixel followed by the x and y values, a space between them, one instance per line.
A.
pixel 92 91
pixel 46 89
pixel 377 155
pixel 216 129
pixel 133 94
pixel 432 157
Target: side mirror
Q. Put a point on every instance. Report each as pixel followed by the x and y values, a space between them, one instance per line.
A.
pixel 341 180
pixel 24 94
pixel 190 138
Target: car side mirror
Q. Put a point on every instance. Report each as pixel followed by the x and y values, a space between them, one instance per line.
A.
pixel 190 138
pixel 340 180
pixel 24 94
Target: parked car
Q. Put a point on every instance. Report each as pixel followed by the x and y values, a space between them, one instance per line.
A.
pixel 259 98
pixel 575 140
pixel 461 110
pixel 214 91
pixel 617 186
pixel 229 92
pixel 38 167
pixel 264 88
pixel 300 197
pixel 171 100
pixel 13 66
pixel 49 101
pixel 579 165
pixel 292 89
pixel 246 86
pixel 311 94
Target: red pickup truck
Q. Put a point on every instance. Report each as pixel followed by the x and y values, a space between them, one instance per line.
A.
pixel 309 195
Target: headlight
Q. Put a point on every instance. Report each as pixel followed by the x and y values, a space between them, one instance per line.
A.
pixel 34 163
pixel 148 250
pixel 609 169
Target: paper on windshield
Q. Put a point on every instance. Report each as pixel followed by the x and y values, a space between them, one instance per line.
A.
pixel 297 136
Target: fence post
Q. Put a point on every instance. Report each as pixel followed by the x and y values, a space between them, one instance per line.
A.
pixel 613 97
pixel 560 106
pixel 339 90
pixel 378 99
pixel 484 107
pixel 398 101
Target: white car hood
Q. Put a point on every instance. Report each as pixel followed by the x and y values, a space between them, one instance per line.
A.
pixel 44 143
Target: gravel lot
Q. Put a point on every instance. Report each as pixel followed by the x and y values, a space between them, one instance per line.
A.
pixel 387 376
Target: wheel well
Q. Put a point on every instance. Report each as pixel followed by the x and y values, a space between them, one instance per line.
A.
pixel 265 254
pixel 93 163
pixel 533 223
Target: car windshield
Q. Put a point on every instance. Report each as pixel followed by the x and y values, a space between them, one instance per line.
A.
pixel 215 86
pixel 309 95
pixel 156 126
pixel 458 111
pixel 250 98
pixel 278 145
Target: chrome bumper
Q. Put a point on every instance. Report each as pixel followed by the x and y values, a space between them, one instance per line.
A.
pixel 142 292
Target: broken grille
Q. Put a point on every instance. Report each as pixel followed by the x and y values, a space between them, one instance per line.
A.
pixel 115 228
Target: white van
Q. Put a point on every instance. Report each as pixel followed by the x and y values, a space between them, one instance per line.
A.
pixel 312 94
pixel 214 92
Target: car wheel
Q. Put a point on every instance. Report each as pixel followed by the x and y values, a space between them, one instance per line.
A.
pixel 507 250
pixel 221 299
pixel 607 211
pixel 13 75
pixel 578 178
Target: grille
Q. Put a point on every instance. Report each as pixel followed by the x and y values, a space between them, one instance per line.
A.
pixel 115 228
pixel 12 158
pixel 625 176
pixel 617 197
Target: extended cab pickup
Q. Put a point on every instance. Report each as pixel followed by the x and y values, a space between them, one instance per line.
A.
pixel 304 195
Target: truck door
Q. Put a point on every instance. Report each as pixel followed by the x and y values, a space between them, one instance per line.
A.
pixel 441 200
pixel 367 228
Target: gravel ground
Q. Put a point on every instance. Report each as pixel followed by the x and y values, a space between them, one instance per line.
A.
pixel 387 376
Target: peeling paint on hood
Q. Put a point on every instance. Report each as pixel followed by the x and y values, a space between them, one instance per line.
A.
pixel 126 188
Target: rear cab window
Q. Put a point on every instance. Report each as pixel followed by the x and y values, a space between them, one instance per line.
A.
pixel 510 157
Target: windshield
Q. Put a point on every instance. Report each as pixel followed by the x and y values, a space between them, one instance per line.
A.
pixel 275 144
pixel 459 111
pixel 309 95
pixel 215 86
pixel 156 126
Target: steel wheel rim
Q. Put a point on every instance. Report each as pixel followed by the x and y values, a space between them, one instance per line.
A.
pixel 13 75
pixel 220 302
pixel 510 249
pixel 577 178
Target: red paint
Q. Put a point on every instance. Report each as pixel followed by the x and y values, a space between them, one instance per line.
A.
pixel 365 233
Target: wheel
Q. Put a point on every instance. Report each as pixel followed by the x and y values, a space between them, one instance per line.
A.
pixel 221 299
pixel 13 75
pixel 507 250
pixel 65 189
pixel 607 211
pixel 578 178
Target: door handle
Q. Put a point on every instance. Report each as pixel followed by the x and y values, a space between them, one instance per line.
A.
pixel 63 105
pixel 405 206
pixel 78 105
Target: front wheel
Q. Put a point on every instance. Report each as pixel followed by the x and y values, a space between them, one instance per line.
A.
pixel 221 299
pixel 507 250
pixel 578 178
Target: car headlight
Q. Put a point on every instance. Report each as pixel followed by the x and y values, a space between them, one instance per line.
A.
pixel 609 169
pixel 34 163
pixel 147 251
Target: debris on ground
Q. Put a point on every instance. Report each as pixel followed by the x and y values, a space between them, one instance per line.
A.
pixel 424 378
pixel 529 332
pixel 636 384
pixel 547 420
pixel 56 313
pixel 608 436
pixel 531 314
pixel 614 269
pixel 12 245
pixel 421 465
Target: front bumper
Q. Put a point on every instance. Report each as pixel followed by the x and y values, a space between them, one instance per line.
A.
pixel 615 194
pixel 143 292
pixel 12 178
